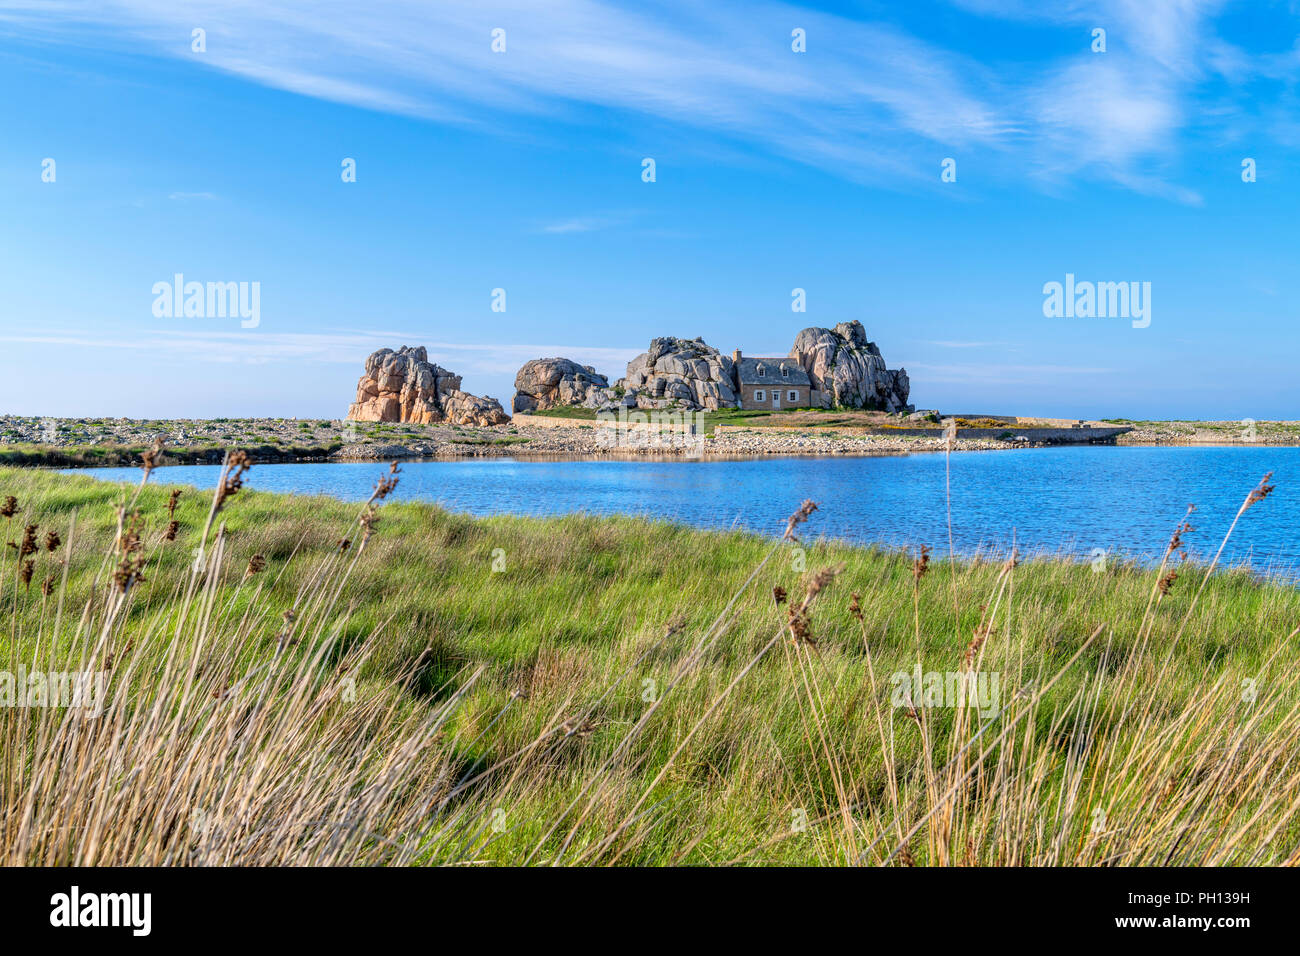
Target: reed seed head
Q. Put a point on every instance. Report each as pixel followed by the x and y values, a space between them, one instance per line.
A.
pixel 977 641
pixel 922 564
pixel 28 545
pixel 797 617
pixel 236 468
pixel 1176 542
pixel 387 483
pixel 152 458
pixel 1262 491
pixel 131 560
pixel 799 517
pixel 369 521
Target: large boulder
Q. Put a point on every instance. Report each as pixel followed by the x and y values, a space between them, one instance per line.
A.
pixel 462 408
pixel 404 386
pixel 552 382
pixel 685 373
pixel 847 371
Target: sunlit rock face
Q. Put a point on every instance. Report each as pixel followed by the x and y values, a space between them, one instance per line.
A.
pixel 847 371
pixel 404 386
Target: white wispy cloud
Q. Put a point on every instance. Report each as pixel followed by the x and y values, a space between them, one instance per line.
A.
pixel 867 101
pixel 345 347
pixel 584 224
pixel 1119 114
pixel 724 67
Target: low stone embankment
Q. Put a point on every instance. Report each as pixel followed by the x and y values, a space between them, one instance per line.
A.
pixel 1073 435
pixel 575 437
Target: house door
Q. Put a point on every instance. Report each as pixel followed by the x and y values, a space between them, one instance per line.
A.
pixel 776 398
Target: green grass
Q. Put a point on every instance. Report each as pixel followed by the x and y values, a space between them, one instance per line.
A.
pixel 765 417
pixel 723 416
pixel 620 690
pixel 103 455
pixel 566 411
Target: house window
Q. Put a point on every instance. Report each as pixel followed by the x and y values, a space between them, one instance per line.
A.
pixel 758 395
pixel 762 372
pixel 785 372
pixel 794 396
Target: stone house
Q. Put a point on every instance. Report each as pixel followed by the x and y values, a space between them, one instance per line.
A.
pixel 771 383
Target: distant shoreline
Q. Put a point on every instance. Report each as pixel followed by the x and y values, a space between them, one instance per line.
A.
pixel 88 443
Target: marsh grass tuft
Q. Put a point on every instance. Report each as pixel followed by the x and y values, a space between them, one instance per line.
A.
pixel 628 692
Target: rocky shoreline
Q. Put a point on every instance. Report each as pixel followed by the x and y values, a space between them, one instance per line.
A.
pixel 580 442
pixel 65 442
pixel 1247 432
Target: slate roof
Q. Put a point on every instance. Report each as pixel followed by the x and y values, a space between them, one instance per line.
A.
pixel 747 371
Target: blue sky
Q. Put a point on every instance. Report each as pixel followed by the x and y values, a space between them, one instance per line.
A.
pixel 522 170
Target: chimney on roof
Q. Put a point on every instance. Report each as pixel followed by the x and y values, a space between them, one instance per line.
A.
pixel 735 356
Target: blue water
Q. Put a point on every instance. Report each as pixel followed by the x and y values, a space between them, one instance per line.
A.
pixel 1125 500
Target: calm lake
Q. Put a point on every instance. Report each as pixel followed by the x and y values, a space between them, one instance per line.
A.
pixel 1126 500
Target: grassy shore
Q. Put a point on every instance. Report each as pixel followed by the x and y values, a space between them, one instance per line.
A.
pixel 110 456
pixel 585 690
pixel 108 442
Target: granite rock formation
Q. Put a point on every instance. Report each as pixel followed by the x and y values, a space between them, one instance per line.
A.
pixel 404 386
pixel 848 371
pixel 552 382
pixel 684 373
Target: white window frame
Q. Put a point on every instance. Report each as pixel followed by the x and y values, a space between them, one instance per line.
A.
pixel 785 372
pixel 758 395
pixel 793 396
